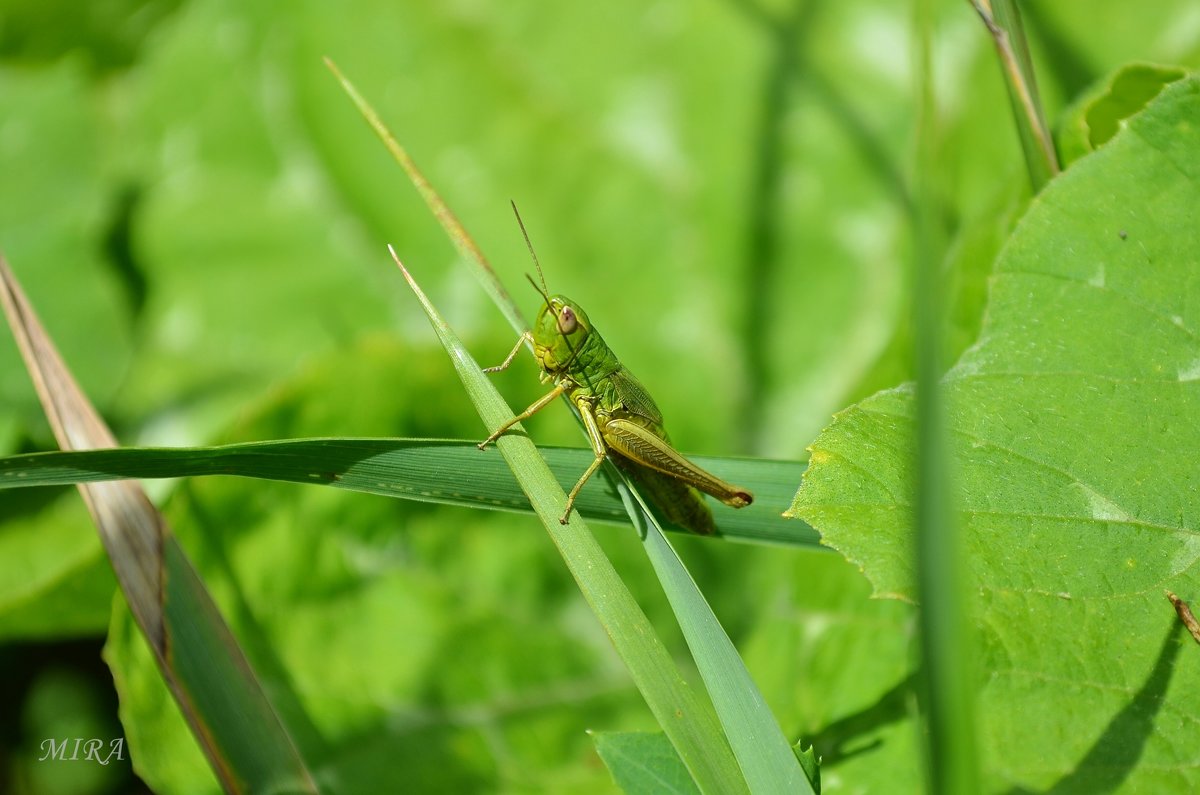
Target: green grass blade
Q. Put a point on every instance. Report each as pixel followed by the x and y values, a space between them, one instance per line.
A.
pixel 946 674
pixel 445 471
pixel 684 716
pixel 454 229
pixel 763 752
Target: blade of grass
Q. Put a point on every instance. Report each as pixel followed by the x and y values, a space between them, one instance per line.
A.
pixel 1002 18
pixel 454 228
pixel 763 752
pixel 208 675
pixel 685 717
pixel 449 472
pixel 946 664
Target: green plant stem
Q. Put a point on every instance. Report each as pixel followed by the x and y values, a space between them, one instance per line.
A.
pixel 950 750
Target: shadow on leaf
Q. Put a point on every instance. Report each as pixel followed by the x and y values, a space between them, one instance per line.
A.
pixel 1115 753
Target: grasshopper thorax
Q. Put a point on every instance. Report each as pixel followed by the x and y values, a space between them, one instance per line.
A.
pixel 559 333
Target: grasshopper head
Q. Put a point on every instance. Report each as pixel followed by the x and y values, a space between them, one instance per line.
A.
pixel 559 332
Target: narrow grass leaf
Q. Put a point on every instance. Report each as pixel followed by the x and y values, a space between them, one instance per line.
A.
pixel 764 754
pixel 445 471
pixel 1002 18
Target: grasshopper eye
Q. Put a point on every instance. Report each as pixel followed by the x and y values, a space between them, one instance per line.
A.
pixel 567 320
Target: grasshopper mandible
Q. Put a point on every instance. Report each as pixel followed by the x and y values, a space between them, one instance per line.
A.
pixel 618 413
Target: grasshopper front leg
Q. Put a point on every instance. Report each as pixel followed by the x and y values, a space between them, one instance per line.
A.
pixel 541 403
pixel 526 336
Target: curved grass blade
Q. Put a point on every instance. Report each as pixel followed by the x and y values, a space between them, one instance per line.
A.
pixel 446 471
pixel 685 717
pixel 208 675
pixel 763 752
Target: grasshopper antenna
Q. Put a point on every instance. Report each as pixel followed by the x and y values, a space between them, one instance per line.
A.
pixel 541 292
pixel 545 291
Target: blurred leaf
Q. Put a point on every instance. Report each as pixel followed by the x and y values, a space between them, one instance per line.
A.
pixel 946 672
pixel 1074 521
pixel 51 209
pixel 65 706
pixel 812 614
pixel 1096 116
pixel 54 578
pixel 643 763
pixel 109 33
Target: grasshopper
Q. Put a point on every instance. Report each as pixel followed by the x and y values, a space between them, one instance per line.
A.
pixel 618 413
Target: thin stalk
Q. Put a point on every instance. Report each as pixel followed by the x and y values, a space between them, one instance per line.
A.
pixel 946 686
pixel 1003 21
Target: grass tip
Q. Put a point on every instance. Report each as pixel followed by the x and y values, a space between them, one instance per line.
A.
pixel 396 259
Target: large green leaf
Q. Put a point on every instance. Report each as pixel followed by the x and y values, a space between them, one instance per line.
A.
pixel 1074 429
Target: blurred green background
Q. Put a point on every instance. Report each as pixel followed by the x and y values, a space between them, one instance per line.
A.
pixel 200 215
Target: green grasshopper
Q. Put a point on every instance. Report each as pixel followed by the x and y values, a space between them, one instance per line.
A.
pixel 618 413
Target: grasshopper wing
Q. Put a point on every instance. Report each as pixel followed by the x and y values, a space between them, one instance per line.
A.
pixel 633 398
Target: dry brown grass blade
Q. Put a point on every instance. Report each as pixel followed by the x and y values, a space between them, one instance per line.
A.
pixel 153 570
pixel 136 547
